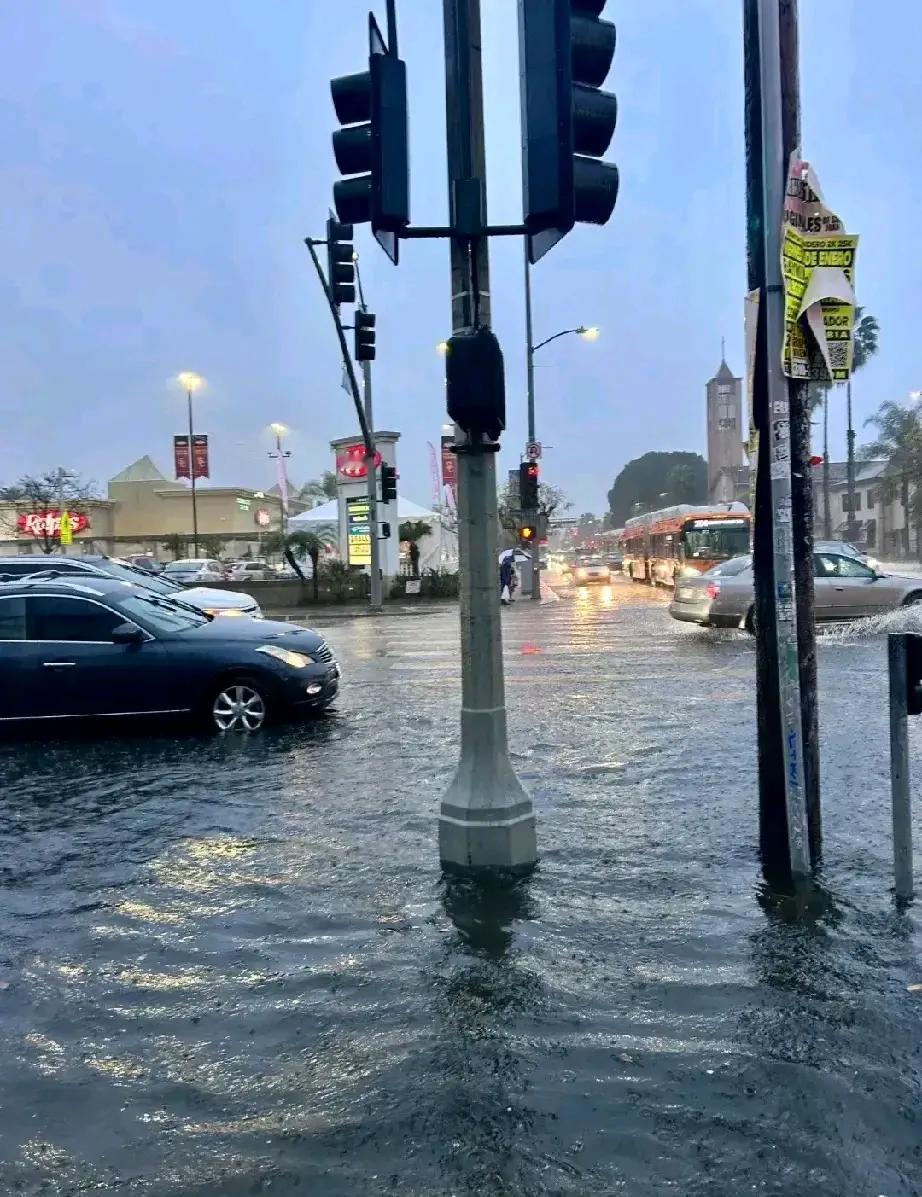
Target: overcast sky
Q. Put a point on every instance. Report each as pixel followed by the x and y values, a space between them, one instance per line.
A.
pixel 161 160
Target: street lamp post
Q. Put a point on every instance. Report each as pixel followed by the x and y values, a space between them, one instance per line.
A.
pixel 588 334
pixel 281 456
pixel 192 382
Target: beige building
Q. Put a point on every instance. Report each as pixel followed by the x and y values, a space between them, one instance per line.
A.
pixel 143 508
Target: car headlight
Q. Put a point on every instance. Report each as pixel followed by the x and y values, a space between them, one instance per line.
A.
pixel 224 611
pixel 285 655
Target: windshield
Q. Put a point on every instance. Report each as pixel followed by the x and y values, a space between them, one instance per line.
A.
pixel 715 540
pixel 729 569
pixel 160 614
pixel 183 567
pixel 131 573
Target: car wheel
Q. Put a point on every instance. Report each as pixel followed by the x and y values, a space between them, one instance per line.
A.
pixel 749 623
pixel 239 704
pixel 913 600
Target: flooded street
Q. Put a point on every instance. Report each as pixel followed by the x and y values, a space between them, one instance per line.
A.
pixel 231 966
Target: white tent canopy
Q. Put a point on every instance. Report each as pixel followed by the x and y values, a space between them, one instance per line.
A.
pixel 437 549
pixel 328 513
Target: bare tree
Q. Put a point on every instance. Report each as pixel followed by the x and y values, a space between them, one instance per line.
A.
pixel 37 503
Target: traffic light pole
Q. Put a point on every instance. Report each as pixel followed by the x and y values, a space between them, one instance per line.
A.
pixel 486 820
pixel 532 516
pixel 372 474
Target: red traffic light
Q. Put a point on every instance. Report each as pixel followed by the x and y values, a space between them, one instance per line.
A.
pixel 815 461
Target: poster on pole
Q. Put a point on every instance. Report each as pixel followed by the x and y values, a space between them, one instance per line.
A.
pixel 450 471
pixel 818 266
pixel 181 463
pixel 200 456
pixel 358 532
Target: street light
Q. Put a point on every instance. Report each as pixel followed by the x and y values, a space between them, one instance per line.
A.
pixel 587 332
pixel 442 348
pixel 281 456
pixel 191 383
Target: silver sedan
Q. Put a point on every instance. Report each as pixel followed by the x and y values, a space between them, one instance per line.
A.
pixel 845 588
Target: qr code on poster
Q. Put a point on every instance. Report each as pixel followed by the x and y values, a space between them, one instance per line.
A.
pixel 838 354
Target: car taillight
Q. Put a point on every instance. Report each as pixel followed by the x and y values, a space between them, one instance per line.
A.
pixel 712 590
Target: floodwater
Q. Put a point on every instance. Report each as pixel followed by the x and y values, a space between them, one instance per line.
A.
pixel 231 966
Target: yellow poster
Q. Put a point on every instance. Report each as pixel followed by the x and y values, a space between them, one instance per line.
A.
pixel 67 529
pixel 818 266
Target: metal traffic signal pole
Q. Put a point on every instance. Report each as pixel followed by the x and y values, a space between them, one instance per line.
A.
pixel 486 818
pixel 530 375
pixel 371 469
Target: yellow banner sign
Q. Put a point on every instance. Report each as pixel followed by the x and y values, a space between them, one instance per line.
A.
pixel 818 265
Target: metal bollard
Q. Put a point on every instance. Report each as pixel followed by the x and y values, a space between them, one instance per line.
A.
pixel 902 689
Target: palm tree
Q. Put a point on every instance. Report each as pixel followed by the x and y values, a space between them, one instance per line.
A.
pixel 865 338
pixel 297 546
pixel 175 544
pixel 899 438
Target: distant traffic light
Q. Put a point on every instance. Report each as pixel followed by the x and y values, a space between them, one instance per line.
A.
pixel 340 262
pixel 527 533
pixel 565 52
pixel 365 336
pixel 385 530
pixel 475 382
pixel 388 483
pixel 373 148
pixel 528 486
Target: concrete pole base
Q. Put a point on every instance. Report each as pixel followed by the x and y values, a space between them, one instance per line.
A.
pixel 487 820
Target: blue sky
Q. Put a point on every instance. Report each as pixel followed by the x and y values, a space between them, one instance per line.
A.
pixel 162 160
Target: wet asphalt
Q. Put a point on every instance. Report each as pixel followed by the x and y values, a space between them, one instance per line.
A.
pixel 232 966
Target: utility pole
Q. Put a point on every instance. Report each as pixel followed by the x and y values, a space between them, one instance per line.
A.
pixel 782 548
pixel 486 819
pixel 851 525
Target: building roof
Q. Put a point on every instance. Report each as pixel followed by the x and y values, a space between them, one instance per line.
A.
pixel 865 471
pixel 724 373
pixel 142 470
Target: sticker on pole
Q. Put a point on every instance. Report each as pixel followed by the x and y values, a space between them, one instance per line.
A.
pixel 818 265
pixel 533 450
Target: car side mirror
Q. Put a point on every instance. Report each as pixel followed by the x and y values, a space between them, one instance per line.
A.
pixel 127 633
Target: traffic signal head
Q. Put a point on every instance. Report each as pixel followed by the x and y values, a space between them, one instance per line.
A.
pixel 528 533
pixel 565 52
pixel 340 262
pixel 528 486
pixel 372 148
pixel 385 530
pixel 365 336
pixel 475 382
pixel 388 484
pixel 913 674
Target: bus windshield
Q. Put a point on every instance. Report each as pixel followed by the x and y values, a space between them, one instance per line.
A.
pixel 715 540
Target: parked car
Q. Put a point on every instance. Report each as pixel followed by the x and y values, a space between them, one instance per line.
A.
pixel 100 647
pixel 240 571
pixel 193 571
pixel 591 569
pixel 202 598
pixel 144 561
pixel 844 587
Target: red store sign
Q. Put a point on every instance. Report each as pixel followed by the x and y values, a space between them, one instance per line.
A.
pixel 350 461
pixel 48 523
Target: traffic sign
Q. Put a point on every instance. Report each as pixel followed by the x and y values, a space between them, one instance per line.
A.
pixel 533 450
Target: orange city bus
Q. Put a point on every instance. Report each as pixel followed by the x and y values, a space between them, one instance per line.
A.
pixel 684 539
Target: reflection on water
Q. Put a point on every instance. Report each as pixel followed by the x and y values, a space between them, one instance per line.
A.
pixel 232 966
